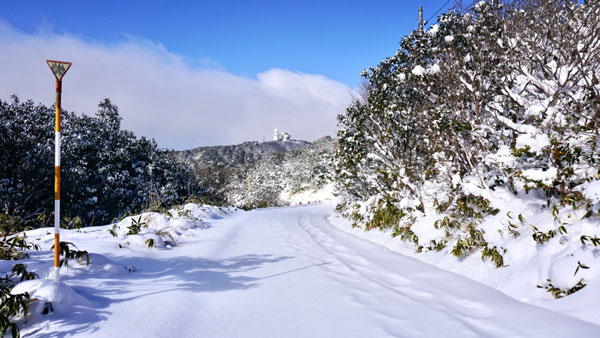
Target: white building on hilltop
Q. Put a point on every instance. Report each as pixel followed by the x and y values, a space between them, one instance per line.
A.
pixel 279 136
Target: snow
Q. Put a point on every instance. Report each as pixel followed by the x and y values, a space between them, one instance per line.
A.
pixel 99 266
pixel 283 272
pixel 536 143
pixel 434 29
pixel 62 297
pixel 480 3
pixel 545 176
pixel 434 69
pixel 308 196
pixel 503 156
pixel 534 110
pixel 592 191
pixel 456 180
pixel 418 71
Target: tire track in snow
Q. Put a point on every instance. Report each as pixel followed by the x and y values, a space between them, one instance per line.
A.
pixel 304 243
pixel 385 290
pixel 415 288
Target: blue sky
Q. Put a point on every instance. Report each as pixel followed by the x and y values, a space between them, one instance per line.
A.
pixel 204 73
pixel 333 38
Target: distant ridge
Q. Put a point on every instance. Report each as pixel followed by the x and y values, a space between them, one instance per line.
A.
pixel 236 155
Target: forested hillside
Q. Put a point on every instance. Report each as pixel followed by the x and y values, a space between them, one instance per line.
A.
pixel 262 174
pixel 230 156
pixel 278 178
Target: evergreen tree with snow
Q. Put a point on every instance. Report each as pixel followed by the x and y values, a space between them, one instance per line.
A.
pixel 107 172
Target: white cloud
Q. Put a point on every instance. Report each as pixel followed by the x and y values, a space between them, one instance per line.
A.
pixel 162 95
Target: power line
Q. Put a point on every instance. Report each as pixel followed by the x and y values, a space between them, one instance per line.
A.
pixel 444 5
pixel 426 21
pixel 471 5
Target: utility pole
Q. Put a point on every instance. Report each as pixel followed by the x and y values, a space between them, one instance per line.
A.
pixel 420 18
pixel 59 69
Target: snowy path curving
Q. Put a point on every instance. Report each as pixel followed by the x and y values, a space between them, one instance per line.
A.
pixel 288 273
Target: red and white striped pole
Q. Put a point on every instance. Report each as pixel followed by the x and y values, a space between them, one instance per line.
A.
pixel 59 68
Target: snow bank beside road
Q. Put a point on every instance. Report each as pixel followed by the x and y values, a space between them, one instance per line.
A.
pixel 563 259
pixel 124 242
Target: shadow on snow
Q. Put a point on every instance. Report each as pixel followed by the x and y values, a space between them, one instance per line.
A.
pixel 155 276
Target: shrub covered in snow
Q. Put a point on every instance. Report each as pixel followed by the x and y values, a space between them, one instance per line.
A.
pixel 13 246
pixel 157 230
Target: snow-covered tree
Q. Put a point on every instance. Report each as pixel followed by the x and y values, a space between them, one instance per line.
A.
pixel 106 171
pixel 504 94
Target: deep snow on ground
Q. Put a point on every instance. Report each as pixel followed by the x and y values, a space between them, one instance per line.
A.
pixel 280 272
pixel 527 264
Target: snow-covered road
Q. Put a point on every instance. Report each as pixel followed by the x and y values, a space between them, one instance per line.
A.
pixel 287 272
